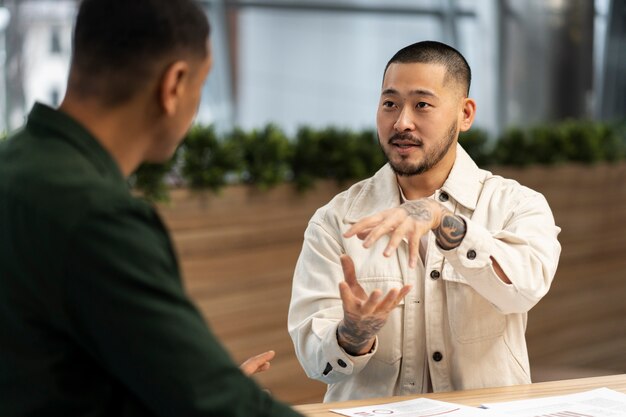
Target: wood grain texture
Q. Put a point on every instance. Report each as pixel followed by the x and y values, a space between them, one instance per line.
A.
pixel 489 395
pixel 238 251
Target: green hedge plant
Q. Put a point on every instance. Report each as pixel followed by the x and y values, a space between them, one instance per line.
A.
pixel 266 157
pixel 336 154
pixel 207 161
pixel 266 154
pixel 476 143
pixel 150 179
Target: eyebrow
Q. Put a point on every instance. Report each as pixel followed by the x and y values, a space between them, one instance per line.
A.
pixel 418 92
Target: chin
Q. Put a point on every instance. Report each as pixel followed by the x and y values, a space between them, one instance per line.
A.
pixel 407 169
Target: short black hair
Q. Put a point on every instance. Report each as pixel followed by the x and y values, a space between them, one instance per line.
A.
pixel 432 52
pixel 119 45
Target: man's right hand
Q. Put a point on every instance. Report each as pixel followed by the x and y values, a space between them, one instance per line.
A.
pixel 363 315
pixel 258 363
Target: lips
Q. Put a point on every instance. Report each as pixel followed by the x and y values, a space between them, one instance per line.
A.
pixel 404 145
pixel 404 141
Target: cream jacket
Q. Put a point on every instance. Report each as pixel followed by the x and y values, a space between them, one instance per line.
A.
pixel 460 323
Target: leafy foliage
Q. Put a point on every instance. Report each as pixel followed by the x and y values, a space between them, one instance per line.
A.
pixel 569 141
pixel 334 153
pixel 207 161
pixel 150 178
pixel 266 154
pixel 476 144
pixel 267 157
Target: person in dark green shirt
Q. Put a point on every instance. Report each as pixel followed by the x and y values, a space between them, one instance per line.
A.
pixel 94 320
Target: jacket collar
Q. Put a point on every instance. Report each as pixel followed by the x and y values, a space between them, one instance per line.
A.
pixel 464 184
pixel 65 128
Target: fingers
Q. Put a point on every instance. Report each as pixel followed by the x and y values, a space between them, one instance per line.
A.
pixel 264 357
pixel 386 304
pixel 394 220
pixel 258 363
pixel 349 273
pixel 393 298
pixel 357 302
pixel 403 293
pixel 364 225
pixel 398 225
pixel 263 367
pixel 401 232
pixel 372 302
pixel 362 235
pixel 350 302
pixel 372 228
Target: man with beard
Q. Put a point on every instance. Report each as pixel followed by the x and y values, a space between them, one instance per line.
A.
pixel 434 294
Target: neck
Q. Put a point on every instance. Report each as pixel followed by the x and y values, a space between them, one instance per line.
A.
pixel 122 131
pixel 424 185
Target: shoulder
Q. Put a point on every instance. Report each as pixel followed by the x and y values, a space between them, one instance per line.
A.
pixel 509 193
pixel 340 205
pixel 56 184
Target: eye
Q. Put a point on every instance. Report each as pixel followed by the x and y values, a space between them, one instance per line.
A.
pixel 388 104
pixel 422 105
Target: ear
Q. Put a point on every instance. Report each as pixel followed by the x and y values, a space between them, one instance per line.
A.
pixel 468 113
pixel 173 86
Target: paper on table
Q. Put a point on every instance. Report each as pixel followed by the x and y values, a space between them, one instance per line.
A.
pixel 420 407
pixel 601 402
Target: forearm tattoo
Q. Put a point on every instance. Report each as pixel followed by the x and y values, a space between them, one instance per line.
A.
pixel 419 210
pixel 354 334
pixel 450 232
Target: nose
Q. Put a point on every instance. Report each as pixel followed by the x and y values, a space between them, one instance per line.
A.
pixel 404 123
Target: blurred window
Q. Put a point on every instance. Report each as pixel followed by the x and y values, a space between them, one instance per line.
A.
pixel 55 96
pixel 55 41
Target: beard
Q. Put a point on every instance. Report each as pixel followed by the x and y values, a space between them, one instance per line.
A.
pixel 406 169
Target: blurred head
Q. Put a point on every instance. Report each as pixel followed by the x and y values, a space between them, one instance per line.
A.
pixel 423 106
pixel 159 49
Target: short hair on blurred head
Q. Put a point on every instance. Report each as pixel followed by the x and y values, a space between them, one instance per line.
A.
pixel 120 45
pixel 432 52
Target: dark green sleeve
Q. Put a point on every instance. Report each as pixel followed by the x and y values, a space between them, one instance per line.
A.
pixel 130 313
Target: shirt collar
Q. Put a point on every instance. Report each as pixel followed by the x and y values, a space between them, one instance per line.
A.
pixel 69 130
pixel 465 181
pixel 464 184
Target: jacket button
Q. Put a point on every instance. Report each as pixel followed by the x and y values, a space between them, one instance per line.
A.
pixel 327 369
pixel 434 274
pixel 471 254
pixel 443 197
pixel 437 356
pixel 341 363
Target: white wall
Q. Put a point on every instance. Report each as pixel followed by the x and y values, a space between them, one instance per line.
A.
pixel 46 71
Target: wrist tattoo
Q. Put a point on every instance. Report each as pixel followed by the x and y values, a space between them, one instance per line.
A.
pixel 355 334
pixel 419 210
pixel 450 232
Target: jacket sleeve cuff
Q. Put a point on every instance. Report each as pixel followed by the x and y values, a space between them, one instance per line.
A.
pixel 474 252
pixel 338 360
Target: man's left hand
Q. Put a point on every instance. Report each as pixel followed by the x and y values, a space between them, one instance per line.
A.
pixel 411 220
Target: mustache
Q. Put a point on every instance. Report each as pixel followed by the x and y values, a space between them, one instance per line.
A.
pixel 405 137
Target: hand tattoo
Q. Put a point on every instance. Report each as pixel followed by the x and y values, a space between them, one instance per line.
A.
pixel 450 232
pixel 419 210
pixel 354 335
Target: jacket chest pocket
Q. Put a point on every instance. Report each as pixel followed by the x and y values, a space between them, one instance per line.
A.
pixel 390 335
pixel 472 317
